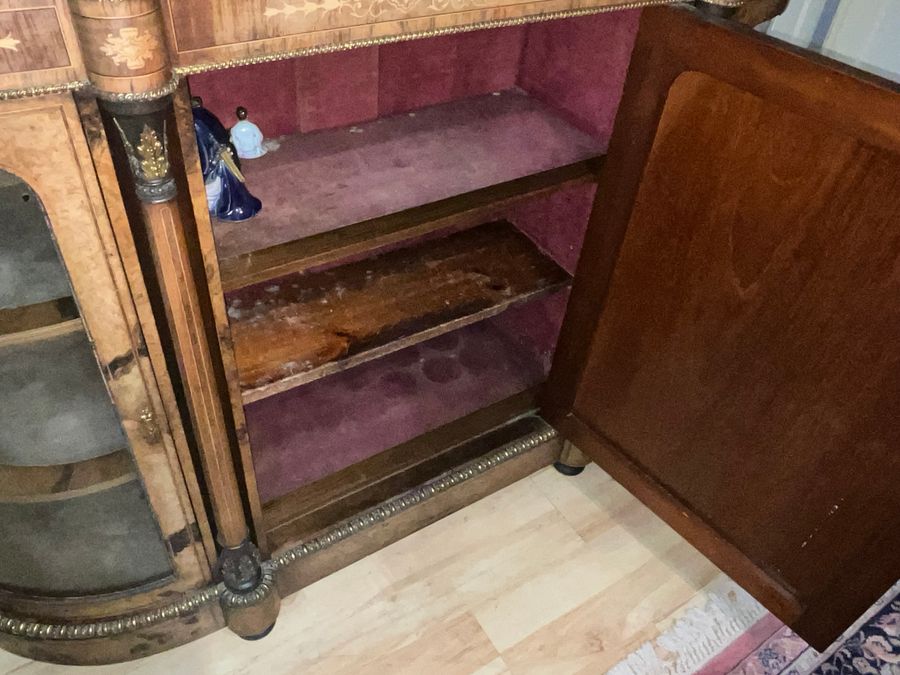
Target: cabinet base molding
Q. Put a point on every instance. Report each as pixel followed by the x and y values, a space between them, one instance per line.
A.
pixel 249 613
pixel 132 644
pixel 377 527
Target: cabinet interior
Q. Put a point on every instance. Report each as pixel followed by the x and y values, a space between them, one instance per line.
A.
pixel 403 287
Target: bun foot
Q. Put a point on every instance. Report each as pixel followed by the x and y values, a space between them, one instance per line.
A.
pixel 567 470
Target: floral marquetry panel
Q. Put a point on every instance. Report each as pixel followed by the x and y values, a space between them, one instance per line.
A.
pixel 38 47
pixel 209 32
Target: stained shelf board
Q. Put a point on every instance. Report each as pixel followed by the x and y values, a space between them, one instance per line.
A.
pixel 326 180
pixel 306 326
pixel 96 543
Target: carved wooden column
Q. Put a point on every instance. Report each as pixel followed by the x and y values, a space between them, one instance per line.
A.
pixel 125 52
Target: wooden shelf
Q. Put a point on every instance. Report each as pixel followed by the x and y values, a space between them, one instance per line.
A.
pixel 346 191
pixel 37 316
pixel 457 212
pixel 306 326
pixel 311 508
pixel 65 481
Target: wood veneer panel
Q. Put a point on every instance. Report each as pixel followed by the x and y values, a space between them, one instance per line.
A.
pixel 39 44
pixel 306 326
pixel 730 346
pixel 460 211
pixel 210 31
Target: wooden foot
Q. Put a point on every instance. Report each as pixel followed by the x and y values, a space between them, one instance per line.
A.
pixel 571 460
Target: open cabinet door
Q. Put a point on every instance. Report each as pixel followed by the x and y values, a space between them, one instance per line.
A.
pixel 731 352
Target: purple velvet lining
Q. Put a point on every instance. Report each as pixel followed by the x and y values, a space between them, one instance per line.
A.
pixel 322 181
pixel 326 425
pixel 578 66
pixel 420 73
pixel 557 222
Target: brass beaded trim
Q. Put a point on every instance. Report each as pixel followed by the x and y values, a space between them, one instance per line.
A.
pixel 149 95
pixel 77 85
pixel 180 71
pixel 27 92
pixel 337 533
pixel 437 32
pixel 392 507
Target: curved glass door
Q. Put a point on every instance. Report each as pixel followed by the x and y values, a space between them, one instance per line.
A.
pixel 74 516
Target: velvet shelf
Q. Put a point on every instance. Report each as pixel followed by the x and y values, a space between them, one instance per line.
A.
pixel 357 187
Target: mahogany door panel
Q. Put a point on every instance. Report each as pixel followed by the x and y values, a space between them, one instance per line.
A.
pixel 732 349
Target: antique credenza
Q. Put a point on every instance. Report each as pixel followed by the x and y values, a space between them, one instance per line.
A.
pixel 462 267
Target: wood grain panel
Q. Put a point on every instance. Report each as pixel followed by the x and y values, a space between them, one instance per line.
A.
pixel 209 31
pixel 204 249
pixel 38 46
pixel 123 44
pixel 164 394
pixel 743 357
pixel 31 39
pixel 302 327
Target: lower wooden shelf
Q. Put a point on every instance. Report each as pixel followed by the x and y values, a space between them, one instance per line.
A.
pixel 306 326
pixel 65 481
pixel 314 507
pixel 40 315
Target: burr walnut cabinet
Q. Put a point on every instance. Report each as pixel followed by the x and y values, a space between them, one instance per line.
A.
pixel 495 235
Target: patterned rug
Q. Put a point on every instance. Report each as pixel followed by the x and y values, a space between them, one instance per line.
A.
pixel 731 634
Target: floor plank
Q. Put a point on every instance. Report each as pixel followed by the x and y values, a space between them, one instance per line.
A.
pixel 550 575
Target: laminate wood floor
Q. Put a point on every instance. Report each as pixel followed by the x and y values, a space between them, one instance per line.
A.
pixel 551 575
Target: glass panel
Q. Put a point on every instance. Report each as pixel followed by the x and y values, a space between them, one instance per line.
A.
pixel 81 524
pixel 89 544
pixel 53 403
pixel 30 270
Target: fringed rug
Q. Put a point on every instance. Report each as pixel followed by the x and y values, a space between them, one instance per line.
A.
pixel 731 634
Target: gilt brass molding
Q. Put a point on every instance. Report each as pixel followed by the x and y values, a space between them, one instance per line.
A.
pixel 417 35
pixel 341 531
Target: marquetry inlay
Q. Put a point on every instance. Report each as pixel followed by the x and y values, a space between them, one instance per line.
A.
pixel 131 46
pixel 9 42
